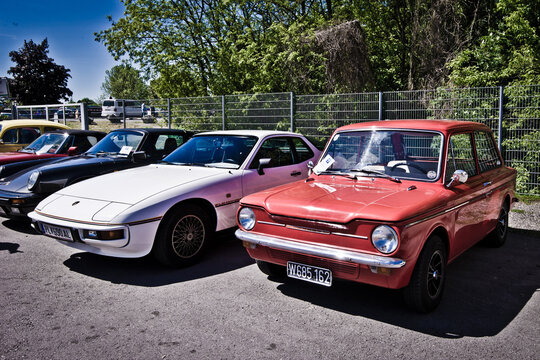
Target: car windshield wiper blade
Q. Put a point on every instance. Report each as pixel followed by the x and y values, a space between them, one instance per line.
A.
pixel 186 164
pixel 104 153
pixel 333 172
pixel 375 172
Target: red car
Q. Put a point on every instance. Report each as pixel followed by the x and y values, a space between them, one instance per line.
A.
pixel 54 144
pixel 389 203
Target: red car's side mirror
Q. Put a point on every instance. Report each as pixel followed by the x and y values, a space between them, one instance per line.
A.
pixel 72 151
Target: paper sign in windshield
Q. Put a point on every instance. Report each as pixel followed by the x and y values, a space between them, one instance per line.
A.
pixel 323 165
pixel 126 150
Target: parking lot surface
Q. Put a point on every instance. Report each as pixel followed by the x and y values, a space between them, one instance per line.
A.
pixel 59 303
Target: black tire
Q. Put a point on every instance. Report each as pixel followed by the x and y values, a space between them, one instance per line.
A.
pixel 183 237
pixel 497 237
pixel 271 269
pixel 426 287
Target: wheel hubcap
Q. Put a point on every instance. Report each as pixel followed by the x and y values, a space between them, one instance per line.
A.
pixel 501 225
pixel 188 236
pixel 435 274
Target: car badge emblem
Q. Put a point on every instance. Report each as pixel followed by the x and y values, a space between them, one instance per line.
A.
pixel 75 203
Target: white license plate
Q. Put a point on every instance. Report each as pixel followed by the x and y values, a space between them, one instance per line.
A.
pixel 57 232
pixel 309 273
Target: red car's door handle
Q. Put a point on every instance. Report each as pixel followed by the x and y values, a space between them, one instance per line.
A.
pixel 296 173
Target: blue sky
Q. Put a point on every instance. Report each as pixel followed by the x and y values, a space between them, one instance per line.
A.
pixel 69 27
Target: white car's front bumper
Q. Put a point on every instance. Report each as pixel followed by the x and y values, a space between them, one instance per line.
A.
pixel 137 241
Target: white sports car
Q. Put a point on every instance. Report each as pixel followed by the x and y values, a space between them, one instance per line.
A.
pixel 172 208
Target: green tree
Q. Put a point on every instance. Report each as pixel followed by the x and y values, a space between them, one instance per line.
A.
pixel 87 101
pixel 198 48
pixel 508 54
pixel 125 82
pixel 36 78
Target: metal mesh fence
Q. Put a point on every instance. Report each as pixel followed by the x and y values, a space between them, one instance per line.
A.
pixel 521 135
pixel 197 114
pixel 258 111
pixel 316 116
pixel 471 104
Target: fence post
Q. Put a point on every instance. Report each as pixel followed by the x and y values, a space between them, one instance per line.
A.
pixel 124 112
pixel 501 109
pixel 224 125
pixel 292 111
pixel 84 116
pixel 169 112
pixel 380 105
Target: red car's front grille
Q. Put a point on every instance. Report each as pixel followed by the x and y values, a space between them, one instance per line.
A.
pixel 336 266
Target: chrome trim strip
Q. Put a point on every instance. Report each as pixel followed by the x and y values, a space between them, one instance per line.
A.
pixel 299 228
pixel 351 235
pixel 308 229
pixel 270 223
pixel 437 214
pixel 320 250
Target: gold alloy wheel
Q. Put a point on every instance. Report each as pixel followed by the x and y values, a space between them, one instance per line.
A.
pixel 188 236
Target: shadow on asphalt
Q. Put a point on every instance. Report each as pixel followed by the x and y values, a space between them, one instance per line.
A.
pixel 224 254
pixel 12 248
pixel 21 226
pixel 485 291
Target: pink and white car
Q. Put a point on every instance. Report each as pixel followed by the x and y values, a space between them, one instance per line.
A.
pixel 172 208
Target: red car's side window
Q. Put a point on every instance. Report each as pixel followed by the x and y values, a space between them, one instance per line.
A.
pixel 486 151
pixel 460 156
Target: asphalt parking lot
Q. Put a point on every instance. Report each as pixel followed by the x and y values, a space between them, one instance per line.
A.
pixel 59 303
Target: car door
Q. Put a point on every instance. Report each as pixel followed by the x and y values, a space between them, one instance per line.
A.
pixel 468 198
pixel 10 140
pixel 490 164
pixel 285 165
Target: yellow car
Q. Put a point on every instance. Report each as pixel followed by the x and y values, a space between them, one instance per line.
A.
pixel 16 134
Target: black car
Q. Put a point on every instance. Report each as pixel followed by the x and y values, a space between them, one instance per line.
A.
pixel 48 147
pixel 120 149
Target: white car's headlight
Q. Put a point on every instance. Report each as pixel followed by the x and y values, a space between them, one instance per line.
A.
pixel 385 239
pixel 246 218
pixel 32 180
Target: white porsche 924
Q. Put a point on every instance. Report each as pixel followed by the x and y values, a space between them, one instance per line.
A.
pixel 172 208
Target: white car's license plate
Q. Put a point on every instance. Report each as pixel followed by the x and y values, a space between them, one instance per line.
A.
pixel 309 273
pixel 57 232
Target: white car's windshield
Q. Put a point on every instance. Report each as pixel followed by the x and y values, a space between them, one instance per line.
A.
pixel 400 154
pixel 117 141
pixel 49 143
pixel 227 151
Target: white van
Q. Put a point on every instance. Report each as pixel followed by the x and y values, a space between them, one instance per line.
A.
pixel 113 108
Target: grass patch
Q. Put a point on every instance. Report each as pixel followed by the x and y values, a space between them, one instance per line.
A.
pixel 528 199
pixel 518 211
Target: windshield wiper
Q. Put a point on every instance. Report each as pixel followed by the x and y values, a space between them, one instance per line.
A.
pixel 375 172
pixel 329 172
pixel 186 164
pixel 104 153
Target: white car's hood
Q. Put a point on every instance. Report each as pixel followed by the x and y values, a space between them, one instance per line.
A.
pixel 134 185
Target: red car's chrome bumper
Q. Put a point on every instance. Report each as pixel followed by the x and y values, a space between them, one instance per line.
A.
pixel 320 250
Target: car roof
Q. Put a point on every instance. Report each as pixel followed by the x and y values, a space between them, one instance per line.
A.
pixel 17 123
pixel 436 125
pixel 157 130
pixel 258 133
pixel 77 132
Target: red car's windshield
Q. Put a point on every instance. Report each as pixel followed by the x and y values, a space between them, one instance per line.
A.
pixel 402 154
